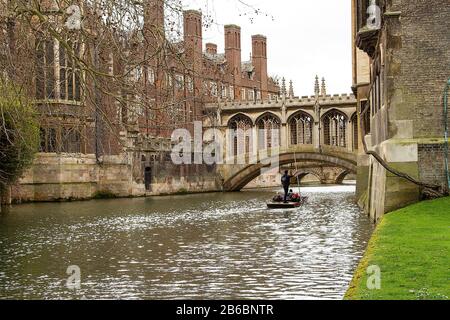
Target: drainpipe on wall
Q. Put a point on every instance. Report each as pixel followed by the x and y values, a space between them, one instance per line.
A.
pixel 446 147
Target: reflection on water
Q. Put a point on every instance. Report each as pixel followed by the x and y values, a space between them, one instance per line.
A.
pixel 213 246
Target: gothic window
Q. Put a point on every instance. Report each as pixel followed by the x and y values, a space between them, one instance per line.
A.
pixel 151 75
pixel 123 108
pixel 241 134
pixel 47 140
pixel 335 129
pixel 69 75
pixel 268 132
pixel 243 95
pixel 355 131
pixel 301 128
pixel 137 73
pixel 175 113
pixel 71 140
pixel 45 77
pixel 169 80
pixel 179 82
pixel 224 91
pixel 190 84
pixel 42 144
pixel 205 88
pixel 214 89
pixel 375 94
pixel 366 117
pixel 232 92
pixel 251 95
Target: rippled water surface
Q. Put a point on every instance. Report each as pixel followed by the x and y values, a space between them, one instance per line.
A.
pixel 213 246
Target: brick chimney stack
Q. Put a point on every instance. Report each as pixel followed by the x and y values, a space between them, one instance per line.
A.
pixel 259 60
pixel 193 44
pixel 233 49
pixel 211 48
pixel 193 30
pixel 154 30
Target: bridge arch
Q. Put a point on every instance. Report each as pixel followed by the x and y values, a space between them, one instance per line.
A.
pixel 340 179
pixel 247 174
pixel 304 173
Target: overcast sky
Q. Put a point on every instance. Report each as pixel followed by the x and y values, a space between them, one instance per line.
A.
pixel 305 37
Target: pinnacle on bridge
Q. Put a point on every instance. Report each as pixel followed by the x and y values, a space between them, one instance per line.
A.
pixel 291 89
pixel 324 88
pixel 283 87
pixel 317 86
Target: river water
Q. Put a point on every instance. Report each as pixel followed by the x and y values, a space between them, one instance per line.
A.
pixel 208 246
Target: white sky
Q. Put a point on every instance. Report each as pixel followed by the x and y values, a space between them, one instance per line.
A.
pixel 305 37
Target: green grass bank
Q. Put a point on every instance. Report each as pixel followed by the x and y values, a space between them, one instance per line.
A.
pixel 411 247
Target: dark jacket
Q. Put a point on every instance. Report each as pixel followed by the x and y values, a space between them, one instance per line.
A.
pixel 286 180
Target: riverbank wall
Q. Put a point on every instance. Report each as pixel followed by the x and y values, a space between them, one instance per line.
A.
pixel 55 177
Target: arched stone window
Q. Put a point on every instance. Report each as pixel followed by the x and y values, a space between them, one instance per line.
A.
pixel 241 134
pixel 268 132
pixel 58 76
pixel 335 129
pixel 355 131
pixel 301 128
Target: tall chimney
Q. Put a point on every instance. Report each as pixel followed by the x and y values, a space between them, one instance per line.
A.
pixel 193 44
pixel 233 49
pixel 154 30
pixel 211 48
pixel 259 60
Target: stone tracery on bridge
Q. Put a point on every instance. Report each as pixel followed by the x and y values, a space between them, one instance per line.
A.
pixel 322 126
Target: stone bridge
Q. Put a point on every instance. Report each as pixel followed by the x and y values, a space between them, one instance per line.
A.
pixel 326 174
pixel 321 130
pixel 237 176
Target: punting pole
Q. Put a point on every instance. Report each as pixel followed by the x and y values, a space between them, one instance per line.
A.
pixel 296 169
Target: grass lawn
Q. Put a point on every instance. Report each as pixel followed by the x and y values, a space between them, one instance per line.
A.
pixel 412 249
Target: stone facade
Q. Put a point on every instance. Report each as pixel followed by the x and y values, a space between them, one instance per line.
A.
pixel 409 70
pixel 267 180
pixel 360 86
pixel 56 178
pixel 284 110
pixel 312 124
pixel 79 177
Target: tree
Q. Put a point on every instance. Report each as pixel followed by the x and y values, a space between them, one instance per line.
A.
pixel 19 134
pixel 107 48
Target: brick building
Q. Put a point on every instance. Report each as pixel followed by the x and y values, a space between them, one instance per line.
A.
pixel 112 132
pixel 401 67
pixel 188 74
pixel 166 87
